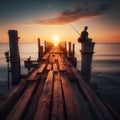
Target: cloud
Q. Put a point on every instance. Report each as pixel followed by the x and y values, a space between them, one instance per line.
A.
pixel 81 10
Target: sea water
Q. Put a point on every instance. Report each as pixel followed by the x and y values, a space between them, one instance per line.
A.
pixel 106 71
pixel 105 68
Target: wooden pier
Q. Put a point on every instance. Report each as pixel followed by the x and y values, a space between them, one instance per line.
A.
pixel 53 90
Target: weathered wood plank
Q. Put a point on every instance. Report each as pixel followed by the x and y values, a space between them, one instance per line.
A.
pixel 21 105
pixel 41 68
pixel 49 67
pixel 52 58
pixel 57 103
pixel 99 109
pixel 11 99
pixel 32 75
pixel 55 67
pixel 32 109
pixel 46 56
pixel 43 110
pixel 61 63
pixel 72 106
pixel 70 74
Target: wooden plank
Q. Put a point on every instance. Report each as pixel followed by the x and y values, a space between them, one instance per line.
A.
pixel 45 57
pixel 97 106
pixel 70 74
pixel 43 109
pixel 49 67
pixel 62 66
pixel 33 75
pixel 21 105
pixel 52 58
pixel 57 103
pixel 11 99
pixel 41 68
pixel 55 67
pixel 72 106
pixel 32 109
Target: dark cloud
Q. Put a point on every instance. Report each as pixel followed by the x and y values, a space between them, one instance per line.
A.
pixel 81 10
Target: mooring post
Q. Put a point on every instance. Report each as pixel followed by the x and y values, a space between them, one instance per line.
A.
pixel 73 56
pixel 14 56
pixel 73 52
pixel 65 52
pixel 45 46
pixel 69 45
pixel 65 46
pixel 86 54
pixel 39 52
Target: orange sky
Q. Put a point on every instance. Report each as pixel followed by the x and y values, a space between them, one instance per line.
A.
pixel 97 31
pixel 103 25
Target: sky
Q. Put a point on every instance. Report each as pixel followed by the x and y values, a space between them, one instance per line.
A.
pixel 45 19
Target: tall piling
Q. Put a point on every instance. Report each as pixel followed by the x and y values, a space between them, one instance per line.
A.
pixel 73 52
pixel 65 49
pixel 69 47
pixel 14 56
pixel 39 52
pixel 45 46
pixel 87 50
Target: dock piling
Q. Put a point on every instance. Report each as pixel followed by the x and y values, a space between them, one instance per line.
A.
pixel 86 59
pixel 45 46
pixel 73 52
pixel 69 45
pixel 14 56
pixel 39 52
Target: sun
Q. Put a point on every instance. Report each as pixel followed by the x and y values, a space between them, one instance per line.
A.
pixel 56 40
pixel 55 44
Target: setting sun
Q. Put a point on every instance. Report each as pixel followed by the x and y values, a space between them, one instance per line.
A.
pixel 56 40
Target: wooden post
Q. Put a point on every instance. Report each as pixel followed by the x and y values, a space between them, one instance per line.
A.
pixel 74 58
pixel 71 55
pixel 69 45
pixel 65 45
pixel 45 46
pixel 65 49
pixel 39 49
pixel 86 54
pixel 14 56
pixel 73 52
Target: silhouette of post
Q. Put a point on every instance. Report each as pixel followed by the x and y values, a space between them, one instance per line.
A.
pixel 65 48
pixel 14 56
pixel 39 52
pixel 86 54
pixel 73 52
pixel 45 46
pixel 69 45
